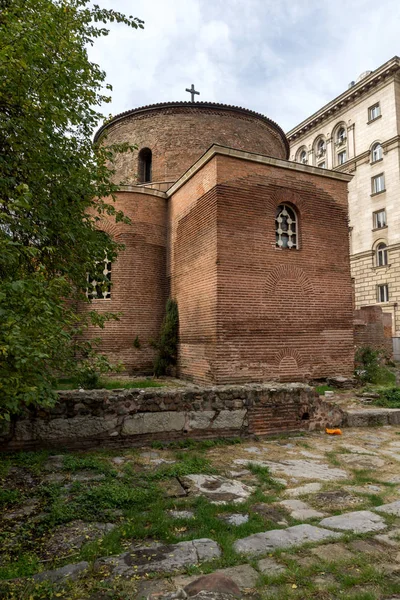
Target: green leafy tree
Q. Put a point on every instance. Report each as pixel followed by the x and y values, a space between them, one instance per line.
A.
pixel 55 186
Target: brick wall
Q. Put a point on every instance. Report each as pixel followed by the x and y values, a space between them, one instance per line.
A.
pixel 373 328
pixel 367 277
pixel 133 417
pixel 280 314
pixel 139 284
pixel 178 136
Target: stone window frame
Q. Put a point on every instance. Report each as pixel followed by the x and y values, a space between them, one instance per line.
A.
pixel 382 293
pixel 374 112
pixel 319 147
pixel 378 188
pixel 302 150
pixel 99 290
pixel 377 220
pixel 380 254
pixel 292 232
pixel 373 158
pixel 341 161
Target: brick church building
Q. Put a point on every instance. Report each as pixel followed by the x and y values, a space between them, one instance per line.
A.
pixel 253 247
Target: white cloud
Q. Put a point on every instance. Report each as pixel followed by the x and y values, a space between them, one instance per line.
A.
pixel 282 58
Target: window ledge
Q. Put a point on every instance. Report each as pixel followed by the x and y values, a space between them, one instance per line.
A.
pixel 373 162
pixel 373 120
pixel 376 267
pixel 379 228
pixel 377 193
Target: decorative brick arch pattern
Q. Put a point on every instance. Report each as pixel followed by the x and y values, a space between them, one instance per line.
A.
pixel 289 273
pixel 282 355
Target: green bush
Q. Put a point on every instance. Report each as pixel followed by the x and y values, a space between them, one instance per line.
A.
pixel 167 344
pixel 390 398
pixel 370 367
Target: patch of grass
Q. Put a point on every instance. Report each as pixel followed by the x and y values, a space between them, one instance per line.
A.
pixel 9 497
pixel 389 398
pixel 321 389
pixel 33 461
pixel 110 384
pixel 92 462
pixel 188 464
pixel 190 443
pixel 24 566
pixel 264 476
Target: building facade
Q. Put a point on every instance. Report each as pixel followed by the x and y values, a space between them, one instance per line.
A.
pixel 359 133
pixel 225 224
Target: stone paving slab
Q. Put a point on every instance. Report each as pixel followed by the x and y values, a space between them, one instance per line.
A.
pixel 304 469
pixel 219 490
pixel 332 552
pixel 157 557
pixel 391 509
pixel 243 575
pixel 70 572
pixel 361 521
pixel 303 490
pixel 269 566
pixel 301 510
pixel 261 543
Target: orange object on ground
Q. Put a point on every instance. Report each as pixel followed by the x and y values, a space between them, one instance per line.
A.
pixel 333 431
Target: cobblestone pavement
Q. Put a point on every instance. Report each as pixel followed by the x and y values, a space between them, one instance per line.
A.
pixel 299 516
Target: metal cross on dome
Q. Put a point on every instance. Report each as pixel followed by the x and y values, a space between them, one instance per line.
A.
pixel 192 91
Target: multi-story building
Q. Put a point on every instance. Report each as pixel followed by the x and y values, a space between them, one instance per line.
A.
pixel 359 132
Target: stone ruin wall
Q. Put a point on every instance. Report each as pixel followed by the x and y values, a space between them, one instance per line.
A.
pixel 107 418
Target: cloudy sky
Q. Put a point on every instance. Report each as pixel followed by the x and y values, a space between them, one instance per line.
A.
pixel 283 58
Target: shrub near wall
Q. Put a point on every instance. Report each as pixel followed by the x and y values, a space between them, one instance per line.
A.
pixel 83 419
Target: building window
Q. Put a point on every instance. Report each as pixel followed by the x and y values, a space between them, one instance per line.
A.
pixel 99 283
pixel 341 136
pixel 322 165
pixel 145 165
pixel 321 148
pixel 376 152
pixel 383 293
pixel 374 112
pixel 378 183
pixel 381 255
pixel 286 227
pixel 342 157
pixel 303 157
pixel 380 219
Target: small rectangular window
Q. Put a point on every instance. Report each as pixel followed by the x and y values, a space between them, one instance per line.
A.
pixel 322 165
pixel 383 293
pixel 380 219
pixel 374 112
pixel 378 183
pixel 342 157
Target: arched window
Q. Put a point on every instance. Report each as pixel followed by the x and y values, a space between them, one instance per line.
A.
pixel 341 135
pixel 376 152
pixel 381 255
pixel 286 227
pixel 321 148
pixel 302 155
pixel 145 166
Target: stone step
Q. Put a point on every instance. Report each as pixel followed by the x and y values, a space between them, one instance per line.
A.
pixel 370 417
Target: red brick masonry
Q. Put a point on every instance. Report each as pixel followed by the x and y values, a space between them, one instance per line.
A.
pixel 249 311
